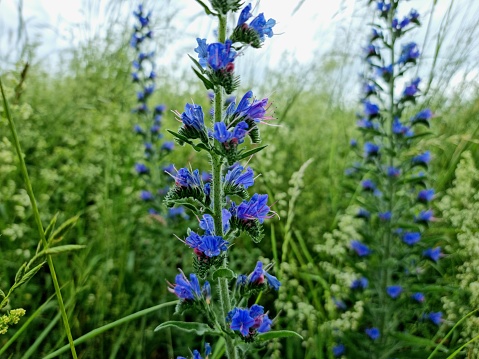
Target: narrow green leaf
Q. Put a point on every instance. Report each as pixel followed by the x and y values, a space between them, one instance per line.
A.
pixel 200 68
pixel 278 334
pixel 251 152
pixel 205 7
pixel 208 84
pixel 20 272
pixel 62 249
pixel 223 273
pixel 417 341
pixel 27 276
pixel 198 328
pixel 63 229
pixel 180 137
pixel 51 226
pixel 2 293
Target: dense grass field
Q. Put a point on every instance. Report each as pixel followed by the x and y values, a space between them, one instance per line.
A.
pixel 75 127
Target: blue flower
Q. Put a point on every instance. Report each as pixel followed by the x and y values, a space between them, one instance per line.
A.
pixel 221 133
pixel 159 109
pixel 409 53
pixel 399 129
pixel 412 89
pixel 212 246
pixel 146 196
pixel 202 51
pixel 235 176
pixel 141 169
pixel 425 195
pixel 247 110
pixel 435 317
pixel 362 213
pixel 262 27
pixel 339 304
pixel 424 217
pixel 185 289
pixel 393 171
pixel 242 321
pixel 383 7
pixel 373 333
pixel 208 224
pixel 361 283
pixel 394 291
pixel 338 350
pixel 418 297
pixel 433 253
pixel 185 178
pixel 411 238
pixel 385 216
pixel 371 150
pixel 258 275
pixel 372 51
pixel 221 56
pixel 193 117
pixel 368 185
pixel 244 15
pixel 422 117
pixel 168 146
pixel 385 72
pixel 422 159
pixel 367 124
pixel 177 212
pixel 353 143
pixel 361 249
pixel 255 208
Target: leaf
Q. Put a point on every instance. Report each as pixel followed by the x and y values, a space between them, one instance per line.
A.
pixel 20 272
pixel 278 334
pixel 200 68
pixel 208 84
pixel 417 341
pixel 223 273
pixel 2 293
pixel 51 226
pixel 63 229
pixel 251 152
pixel 63 249
pixel 26 277
pixel 198 328
pixel 206 8
pixel 180 137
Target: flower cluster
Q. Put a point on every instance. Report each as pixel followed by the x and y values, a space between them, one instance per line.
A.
pixel 220 199
pixel 149 120
pixel 393 253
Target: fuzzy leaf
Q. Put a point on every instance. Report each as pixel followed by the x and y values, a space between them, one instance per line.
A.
pixel 180 138
pixel 223 273
pixel 251 152
pixel 200 68
pixel 278 334
pixel 198 328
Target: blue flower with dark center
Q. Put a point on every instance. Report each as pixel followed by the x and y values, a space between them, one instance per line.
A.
pixel 411 238
pixel 159 109
pixel 414 16
pixel 362 213
pixel 239 133
pixel 383 7
pixel 385 72
pixel 425 195
pixel 373 333
pixel 236 176
pixel 244 15
pixel 412 89
pixel 371 149
pixel 242 321
pixel 255 110
pixel 394 291
pixel 435 317
pixel 361 283
pixel 369 89
pixel 353 143
pixel 255 208
pixel 141 169
pixel 193 117
pixel 185 178
pixel 135 77
pixel 433 253
pixel 338 350
pixel 393 171
pixel 422 117
pixel 424 217
pixel 259 274
pixel 418 297
pixel 367 124
pixel 399 129
pixel 368 185
pixel 361 249
pixel 409 53
pixel 422 159
pixel 372 51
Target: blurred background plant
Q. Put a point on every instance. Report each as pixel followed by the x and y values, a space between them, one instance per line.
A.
pixel 75 126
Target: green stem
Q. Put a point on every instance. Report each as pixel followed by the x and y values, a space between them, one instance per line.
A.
pixel 38 221
pixel 217 169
